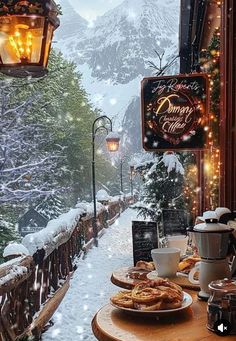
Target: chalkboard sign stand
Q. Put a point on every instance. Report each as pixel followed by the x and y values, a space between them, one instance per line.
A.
pixel 174 221
pixel 145 238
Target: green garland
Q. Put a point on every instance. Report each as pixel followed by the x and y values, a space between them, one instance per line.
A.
pixel 210 62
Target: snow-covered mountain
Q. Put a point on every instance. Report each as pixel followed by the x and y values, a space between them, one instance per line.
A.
pixel 71 22
pixel 113 55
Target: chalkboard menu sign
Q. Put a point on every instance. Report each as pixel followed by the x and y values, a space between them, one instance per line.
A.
pixel 145 239
pixel 175 112
pixel 174 221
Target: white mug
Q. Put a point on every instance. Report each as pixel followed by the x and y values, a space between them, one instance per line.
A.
pixel 192 272
pixel 166 261
pixel 181 242
pixel 209 270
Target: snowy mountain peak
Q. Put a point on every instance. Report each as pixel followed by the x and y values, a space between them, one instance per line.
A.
pixel 71 22
pixel 113 55
pixel 125 38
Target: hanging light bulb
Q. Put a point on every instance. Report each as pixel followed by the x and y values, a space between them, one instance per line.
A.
pixel 21 42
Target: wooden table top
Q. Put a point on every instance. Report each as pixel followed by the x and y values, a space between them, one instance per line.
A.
pixel 120 278
pixel 111 324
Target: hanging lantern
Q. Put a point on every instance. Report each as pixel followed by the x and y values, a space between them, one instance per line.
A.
pixel 113 141
pixel 26 31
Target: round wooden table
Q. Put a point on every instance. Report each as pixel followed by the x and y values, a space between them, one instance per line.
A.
pixel 111 324
pixel 121 278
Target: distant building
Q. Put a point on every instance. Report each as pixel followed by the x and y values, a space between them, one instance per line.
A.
pixel 32 221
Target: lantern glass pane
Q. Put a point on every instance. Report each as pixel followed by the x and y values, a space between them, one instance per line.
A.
pixel 112 146
pixel 21 39
pixel 48 43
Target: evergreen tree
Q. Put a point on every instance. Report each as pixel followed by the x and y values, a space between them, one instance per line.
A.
pixel 51 207
pixel 163 182
pixel 45 140
pixel 7 234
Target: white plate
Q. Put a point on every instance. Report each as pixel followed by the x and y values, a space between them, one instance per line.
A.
pixel 187 301
pixel 154 274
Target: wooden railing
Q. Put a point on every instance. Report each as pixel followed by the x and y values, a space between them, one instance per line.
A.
pixel 32 287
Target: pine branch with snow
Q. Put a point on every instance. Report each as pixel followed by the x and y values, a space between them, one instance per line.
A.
pixel 163 182
pixel 26 163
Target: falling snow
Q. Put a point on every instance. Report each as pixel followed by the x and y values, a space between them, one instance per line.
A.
pixel 91 287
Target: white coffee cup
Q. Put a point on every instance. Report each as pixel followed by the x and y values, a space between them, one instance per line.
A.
pixel 193 271
pixel 166 261
pixel 209 271
pixel 180 242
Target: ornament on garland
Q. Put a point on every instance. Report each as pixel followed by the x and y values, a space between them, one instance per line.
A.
pixel 23 7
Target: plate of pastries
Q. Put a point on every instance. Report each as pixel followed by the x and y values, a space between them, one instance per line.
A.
pixel 159 296
pixel 140 270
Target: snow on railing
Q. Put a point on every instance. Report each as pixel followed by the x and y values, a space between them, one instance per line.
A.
pixel 37 283
pixel 57 232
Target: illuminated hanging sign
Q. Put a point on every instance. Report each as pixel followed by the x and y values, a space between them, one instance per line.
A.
pixel 175 112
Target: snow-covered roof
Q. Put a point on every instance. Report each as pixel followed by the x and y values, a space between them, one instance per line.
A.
pixel 113 135
pixel 15 249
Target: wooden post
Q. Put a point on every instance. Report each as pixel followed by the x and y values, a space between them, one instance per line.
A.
pixel 228 105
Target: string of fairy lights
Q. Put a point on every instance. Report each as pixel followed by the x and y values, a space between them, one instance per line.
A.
pixel 210 63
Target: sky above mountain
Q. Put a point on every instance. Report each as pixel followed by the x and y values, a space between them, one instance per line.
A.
pixel 90 9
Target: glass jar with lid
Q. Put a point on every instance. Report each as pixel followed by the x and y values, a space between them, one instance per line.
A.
pixel 222 303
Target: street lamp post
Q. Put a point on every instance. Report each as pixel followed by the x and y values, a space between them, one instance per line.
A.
pixel 131 180
pixel 112 141
pixel 121 176
pixel 124 158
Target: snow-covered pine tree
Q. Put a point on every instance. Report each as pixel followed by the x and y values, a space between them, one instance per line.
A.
pixel 50 207
pixel 163 181
pixel 8 234
pixel 28 167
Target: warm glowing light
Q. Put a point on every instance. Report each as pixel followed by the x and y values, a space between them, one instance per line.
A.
pixel 112 146
pixel 113 142
pixel 26 32
pixel 21 41
pixel 207 167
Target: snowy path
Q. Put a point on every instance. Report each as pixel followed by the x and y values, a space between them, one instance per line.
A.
pixel 91 287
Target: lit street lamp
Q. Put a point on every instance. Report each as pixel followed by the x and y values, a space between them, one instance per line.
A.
pixel 112 141
pixel 26 31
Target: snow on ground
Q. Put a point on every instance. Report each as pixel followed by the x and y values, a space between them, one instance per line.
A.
pixel 91 287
